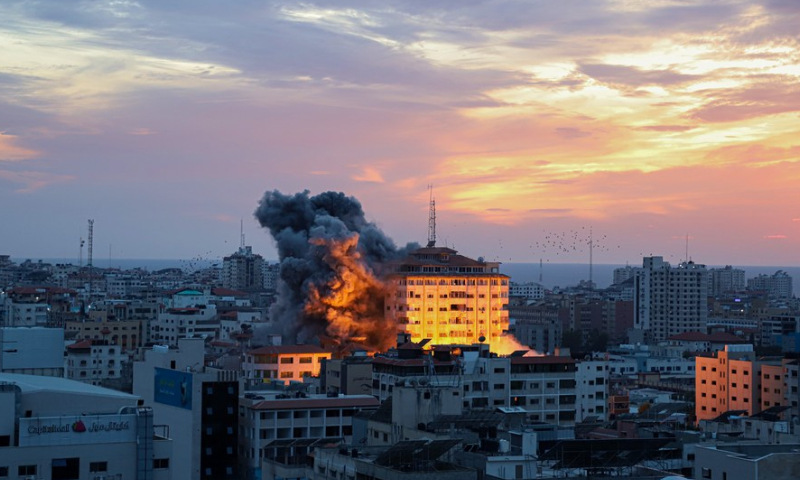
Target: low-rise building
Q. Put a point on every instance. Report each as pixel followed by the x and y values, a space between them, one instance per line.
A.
pixel 54 428
pixel 284 363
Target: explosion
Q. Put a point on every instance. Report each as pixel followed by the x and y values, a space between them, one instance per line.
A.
pixel 508 344
pixel 331 259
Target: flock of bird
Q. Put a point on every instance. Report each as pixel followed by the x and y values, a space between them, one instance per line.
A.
pixel 552 244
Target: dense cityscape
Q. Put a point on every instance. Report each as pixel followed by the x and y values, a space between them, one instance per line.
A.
pixel 399 240
pixel 421 364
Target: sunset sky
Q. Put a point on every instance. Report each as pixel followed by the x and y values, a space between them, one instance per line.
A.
pixel 165 121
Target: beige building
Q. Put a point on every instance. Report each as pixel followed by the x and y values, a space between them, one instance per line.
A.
pixel 732 380
pixel 448 298
pixel 283 363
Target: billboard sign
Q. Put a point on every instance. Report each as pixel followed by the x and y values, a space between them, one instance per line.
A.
pixel 173 387
pixel 77 430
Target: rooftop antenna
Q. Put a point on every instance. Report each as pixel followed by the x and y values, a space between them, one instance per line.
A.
pixel 431 219
pixel 591 261
pixel 687 249
pixel 241 233
pixel 541 269
pixel 89 257
pixel 80 256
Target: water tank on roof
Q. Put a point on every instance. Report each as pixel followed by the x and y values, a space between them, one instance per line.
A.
pixel 504 446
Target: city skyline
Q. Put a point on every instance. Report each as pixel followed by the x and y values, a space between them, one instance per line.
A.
pixel 166 124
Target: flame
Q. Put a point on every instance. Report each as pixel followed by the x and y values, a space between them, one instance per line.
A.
pixel 351 303
pixel 508 344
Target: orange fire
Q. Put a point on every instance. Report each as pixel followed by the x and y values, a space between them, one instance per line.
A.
pixel 507 344
pixel 351 303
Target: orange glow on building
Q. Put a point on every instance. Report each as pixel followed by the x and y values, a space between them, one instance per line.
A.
pixel 450 299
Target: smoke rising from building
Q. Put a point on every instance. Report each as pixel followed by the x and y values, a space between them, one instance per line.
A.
pixel 331 264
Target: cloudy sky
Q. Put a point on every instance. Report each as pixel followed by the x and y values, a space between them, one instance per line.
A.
pixel 165 121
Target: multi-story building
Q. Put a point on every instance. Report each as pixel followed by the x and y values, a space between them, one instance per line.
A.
pixel 528 290
pixel 243 270
pixel 722 280
pixel 93 361
pixel 270 274
pixel 545 388
pixel 624 273
pixel 32 351
pixel 176 323
pixel 670 300
pixel 733 380
pixel 54 428
pixel 128 334
pixel 283 363
pixel 448 298
pixel 199 406
pixel 777 285
pixel 591 396
pixel 282 419
pixel 350 375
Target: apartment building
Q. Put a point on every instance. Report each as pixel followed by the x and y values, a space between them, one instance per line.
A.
pixel 448 298
pixel 280 420
pixel 283 363
pixel 733 379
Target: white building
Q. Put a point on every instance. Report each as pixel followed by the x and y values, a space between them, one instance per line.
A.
pixel 282 418
pixel 624 273
pixel 728 279
pixel 176 323
pixel 54 428
pixel 670 300
pixel 591 379
pixel 777 285
pixel 32 351
pixel 283 363
pixel 199 406
pixel 93 361
pixel 529 290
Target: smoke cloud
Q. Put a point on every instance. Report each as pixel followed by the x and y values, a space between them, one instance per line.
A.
pixel 332 260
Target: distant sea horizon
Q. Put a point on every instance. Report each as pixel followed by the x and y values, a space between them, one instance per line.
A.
pixel 552 274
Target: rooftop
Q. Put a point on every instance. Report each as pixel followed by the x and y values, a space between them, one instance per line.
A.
pixel 40 384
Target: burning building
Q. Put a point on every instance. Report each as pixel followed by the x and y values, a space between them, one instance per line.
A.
pixel 332 260
pixel 448 298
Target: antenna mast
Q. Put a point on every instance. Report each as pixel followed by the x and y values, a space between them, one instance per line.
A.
pixel 541 268
pixel 241 233
pixel 431 219
pixel 89 257
pixel 591 260
pixel 687 249
pixel 80 256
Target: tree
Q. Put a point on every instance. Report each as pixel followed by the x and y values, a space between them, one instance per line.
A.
pixel 597 341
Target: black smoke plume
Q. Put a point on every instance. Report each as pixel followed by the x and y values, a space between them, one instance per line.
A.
pixel 332 262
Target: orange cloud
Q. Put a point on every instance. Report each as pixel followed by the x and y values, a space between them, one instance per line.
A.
pixel 10 152
pixel 31 181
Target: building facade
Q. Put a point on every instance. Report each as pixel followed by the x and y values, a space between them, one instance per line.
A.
pixel 439 295
pixel 670 300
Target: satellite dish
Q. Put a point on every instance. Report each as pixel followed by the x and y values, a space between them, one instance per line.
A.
pixel 481 339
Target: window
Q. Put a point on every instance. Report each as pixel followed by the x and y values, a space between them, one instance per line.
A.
pixel 26 470
pixel 98 467
pixel 3 472
pixel 305 359
pixel 705 473
pixel 286 374
pixel 160 463
pixel 287 360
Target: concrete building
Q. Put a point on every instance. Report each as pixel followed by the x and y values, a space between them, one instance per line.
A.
pixel 732 380
pixel 35 306
pixel 722 280
pixel 349 376
pixel 127 334
pixel 670 300
pixel 777 285
pixel 32 351
pixel 278 419
pixel 54 428
pixel 93 361
pixel 591 396
pixel 545 388
pixel 283 363
pixel 177 323
pixel 243 270
pixel 747 462
pixel 199 405
pixel 528 290
pixel 448 298
pixel 624 273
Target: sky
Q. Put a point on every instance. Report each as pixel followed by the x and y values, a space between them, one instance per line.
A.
pixel 535 122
